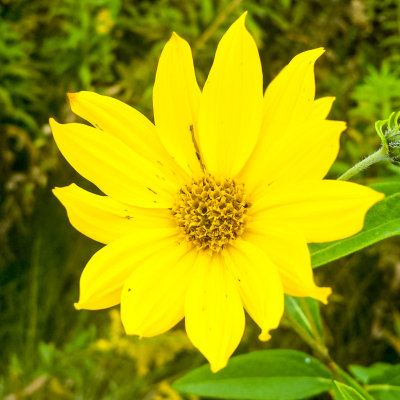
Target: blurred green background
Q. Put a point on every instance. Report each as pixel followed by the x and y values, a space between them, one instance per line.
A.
pixel 48 48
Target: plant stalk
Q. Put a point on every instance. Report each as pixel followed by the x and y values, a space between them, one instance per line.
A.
pixel 379 155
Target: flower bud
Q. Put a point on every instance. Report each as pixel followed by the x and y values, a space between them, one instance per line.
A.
pixel 389 132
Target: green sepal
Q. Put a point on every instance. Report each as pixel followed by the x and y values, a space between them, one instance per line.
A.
pixel 389 132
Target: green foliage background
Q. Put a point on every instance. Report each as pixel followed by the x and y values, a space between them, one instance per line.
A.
pixel 47 48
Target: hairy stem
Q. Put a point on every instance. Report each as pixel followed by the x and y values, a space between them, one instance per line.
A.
pixel 379 155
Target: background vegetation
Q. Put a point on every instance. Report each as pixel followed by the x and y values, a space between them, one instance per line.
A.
pixel 47 48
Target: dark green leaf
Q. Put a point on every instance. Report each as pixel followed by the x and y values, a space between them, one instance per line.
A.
pixel 261 375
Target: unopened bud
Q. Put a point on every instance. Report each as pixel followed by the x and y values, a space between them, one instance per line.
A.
pixel 389 132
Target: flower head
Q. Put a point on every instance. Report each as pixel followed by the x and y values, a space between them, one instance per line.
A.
pixel 208 211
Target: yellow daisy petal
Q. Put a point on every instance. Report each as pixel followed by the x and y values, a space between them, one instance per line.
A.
pixel 320 108
pixel 259 284
pixel 213 311
pixel 287 128
pixel 128 125
pixel 176 99
pixel 104 219
pixel 287 248
pixel 106 272
pixel 323 139
pixel 112 166
pixel 322 210
pixel 231 103
pixel 290 96
pixel 153 297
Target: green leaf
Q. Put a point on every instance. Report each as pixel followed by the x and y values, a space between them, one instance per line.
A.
pixel 382 380
pixel 344 392
pixel 365 374
pixel 385 391
pixel 388 187
pixel 261 375
pixel 382 221
pixel 385 385
pixel 306 313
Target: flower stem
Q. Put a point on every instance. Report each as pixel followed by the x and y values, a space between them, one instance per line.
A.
pixel 318 347
pixel 379 155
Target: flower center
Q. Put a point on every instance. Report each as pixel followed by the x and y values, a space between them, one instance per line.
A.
pixel 211 212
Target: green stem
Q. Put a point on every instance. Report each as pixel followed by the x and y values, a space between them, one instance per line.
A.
pixel 318 347
pixel 379 155
pixel 313 325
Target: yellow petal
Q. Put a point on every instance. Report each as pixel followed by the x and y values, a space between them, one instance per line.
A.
pixel 314 158
pixel 231 103
pixel 128 125
pixel 322 210
pixel 176 98
pixel 214 314
pixel 153 297
pixel 321 108
pixel 287 248
pixel 291 124
pixel 104 219
pixel 289 97
pixel 105 274
pixel 260 285
pixel 112 166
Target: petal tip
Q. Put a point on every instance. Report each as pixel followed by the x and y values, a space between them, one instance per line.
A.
pixel 308 57
pixel 318 51
pixel 379 196
pixel 133 332
pixel 241 20
pixel 130 329
pixel 54 124
pixel 176 40
pixel 215 367
pixel 324 293
pixel 72 96
pixel 240 23
pixel 264 336
pixel 332 99
pixel 57 190
pixel 78 306
pixel 375 197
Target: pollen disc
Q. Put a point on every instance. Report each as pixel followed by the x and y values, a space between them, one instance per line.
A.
pixel 211 212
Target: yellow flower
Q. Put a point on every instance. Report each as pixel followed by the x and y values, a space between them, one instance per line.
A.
pixel 104 21
pixel 209 211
